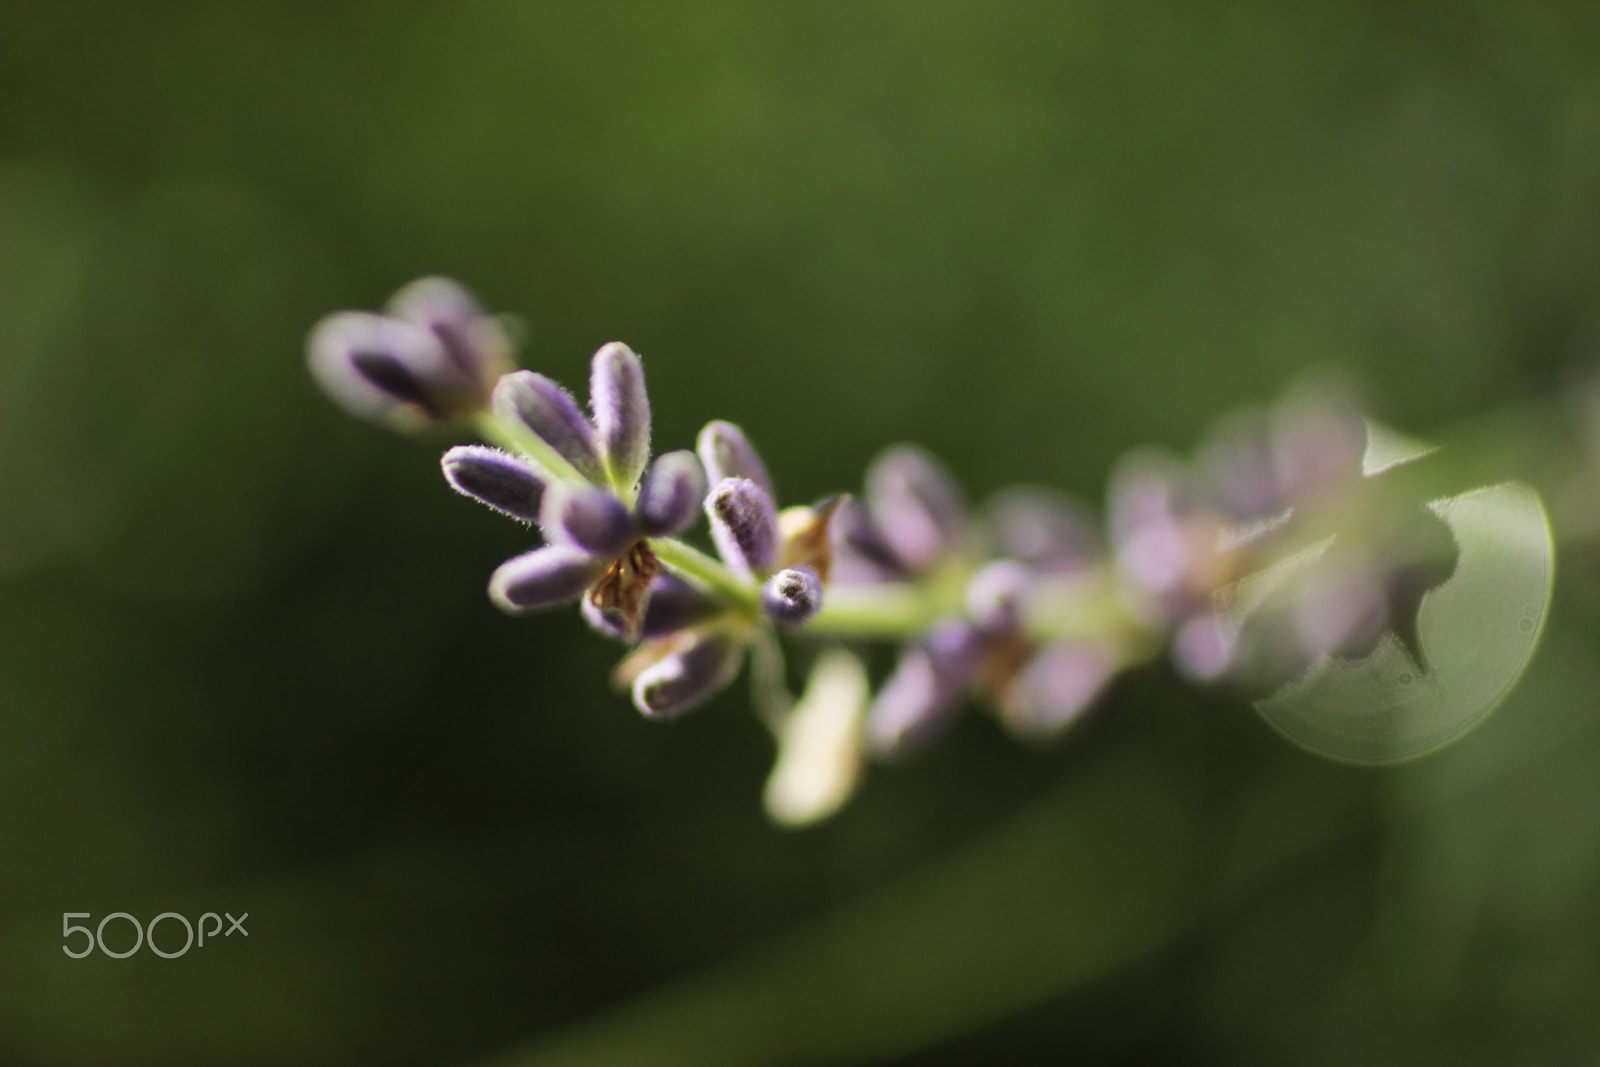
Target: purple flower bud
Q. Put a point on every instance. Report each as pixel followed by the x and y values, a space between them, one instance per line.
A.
pixel 532 400
pixel 587 517
pixel 916 506
pixel 995 595
pixel 688 675
pixel 621 411
pixel 670 494
pixel 860 553
pixel 498 479
pixel 913 707
pixel 792 596
pixel 727 453
pixel 1058 684
pixel 744 525
pixel 1046 530
pixel 543 578
pixel 474 342
pixel 677 605
pixel 673 605
pixel 379 367
pixel 921 697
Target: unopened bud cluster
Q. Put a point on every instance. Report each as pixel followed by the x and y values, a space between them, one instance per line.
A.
pixel 1031 605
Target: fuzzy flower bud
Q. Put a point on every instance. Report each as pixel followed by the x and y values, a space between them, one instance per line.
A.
pixel 589 518
pixel 792 596
pixel 687 675
pixel 496 478
pixel 744 525
pixel 995 595
pixel 670 494
pixel 540 406
pixel 621 412
pixel 543 578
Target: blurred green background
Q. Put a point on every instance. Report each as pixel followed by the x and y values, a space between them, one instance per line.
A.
pixel 247 663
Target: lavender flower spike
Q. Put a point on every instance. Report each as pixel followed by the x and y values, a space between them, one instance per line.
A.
pixel 621 412
pixel 727 453
pixel 498 479
pixel 792 596
pixel 670 494
pixel 744 525
pixel 543 578
pixel 548 411
pixel 688 675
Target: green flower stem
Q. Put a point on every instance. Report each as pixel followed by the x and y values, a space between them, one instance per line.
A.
pixel 697 566
pixel 886 612
pixel 1091 605
pixel 529 444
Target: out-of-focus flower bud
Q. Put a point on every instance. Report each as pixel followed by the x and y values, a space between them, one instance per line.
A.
pixel 433 358
pixel 477 343
pixel 995 595
pixel 1048 531
pixel 1055 687
pixel 1318 440
pixel 922 695
pixel 1165 543
pixel 917 508
pixel 727 453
